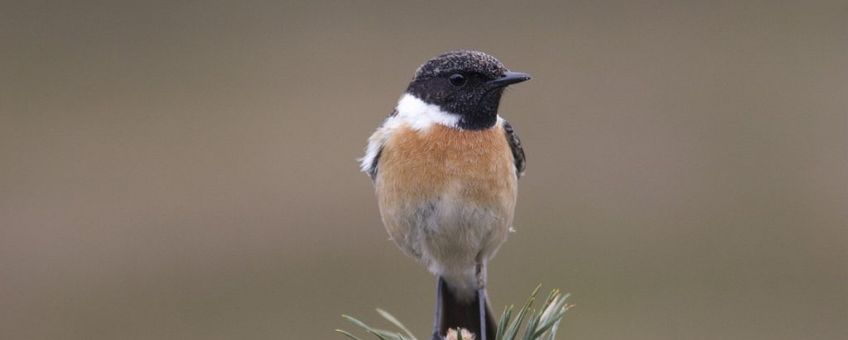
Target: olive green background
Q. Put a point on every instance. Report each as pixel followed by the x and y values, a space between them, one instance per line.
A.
pixel 186 170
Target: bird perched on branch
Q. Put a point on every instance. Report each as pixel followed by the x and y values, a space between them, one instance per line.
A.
pixel 445 168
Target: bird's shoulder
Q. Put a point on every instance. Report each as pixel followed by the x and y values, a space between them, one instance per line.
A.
pixel 515 146
pixel 374 149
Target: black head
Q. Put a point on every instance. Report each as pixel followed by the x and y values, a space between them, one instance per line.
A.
pixel 467 83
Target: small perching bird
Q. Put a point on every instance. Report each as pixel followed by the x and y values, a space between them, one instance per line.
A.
pixel 445 168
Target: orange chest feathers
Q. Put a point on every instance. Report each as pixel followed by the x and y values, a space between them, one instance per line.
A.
pixel 475 166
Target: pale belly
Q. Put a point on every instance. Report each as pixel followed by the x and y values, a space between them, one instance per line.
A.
pixel 446 196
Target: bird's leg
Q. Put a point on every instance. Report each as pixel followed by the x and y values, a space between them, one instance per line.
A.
pixel 482 298
pixel 437 318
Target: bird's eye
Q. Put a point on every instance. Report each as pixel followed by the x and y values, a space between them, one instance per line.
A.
pixel 457 79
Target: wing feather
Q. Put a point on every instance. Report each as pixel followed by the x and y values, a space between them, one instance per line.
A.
pixel 369 162
pixel 517 150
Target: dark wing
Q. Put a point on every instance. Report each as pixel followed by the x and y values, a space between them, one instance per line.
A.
pixel 372 170
pixel 517 150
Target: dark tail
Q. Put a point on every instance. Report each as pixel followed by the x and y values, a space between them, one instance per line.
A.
pixel 453 313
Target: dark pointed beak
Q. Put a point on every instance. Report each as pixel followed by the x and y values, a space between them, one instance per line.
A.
pixel 509 78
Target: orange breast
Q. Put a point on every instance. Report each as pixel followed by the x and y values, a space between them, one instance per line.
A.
pixel 477 166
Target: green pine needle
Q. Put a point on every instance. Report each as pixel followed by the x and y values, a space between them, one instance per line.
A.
pixel 395 322
pixel 542 324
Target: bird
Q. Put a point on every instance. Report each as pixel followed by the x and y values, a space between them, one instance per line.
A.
pixel 445 169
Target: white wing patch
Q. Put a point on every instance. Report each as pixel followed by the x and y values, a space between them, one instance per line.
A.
pixel 411 112
pixel 375 144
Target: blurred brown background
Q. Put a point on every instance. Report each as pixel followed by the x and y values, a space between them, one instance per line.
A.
pixel 186 170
